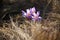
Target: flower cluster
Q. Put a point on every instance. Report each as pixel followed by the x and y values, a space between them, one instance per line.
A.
pixel 31 14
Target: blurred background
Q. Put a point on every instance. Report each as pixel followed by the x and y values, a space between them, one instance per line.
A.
pixel 15 6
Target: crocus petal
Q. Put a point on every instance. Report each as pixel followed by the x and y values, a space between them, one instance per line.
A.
pixel 34 14
pixel 33 9
pixel 32 17
pixel 23 13
pixel 38 13
pixel 40 17
pixel 27 10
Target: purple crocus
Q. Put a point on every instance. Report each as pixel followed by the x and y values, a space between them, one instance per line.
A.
pixel 36 17
pixel 31 14
pixel 27 14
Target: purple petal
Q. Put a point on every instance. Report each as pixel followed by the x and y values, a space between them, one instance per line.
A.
pixel 27 10
pixel 38 13
pixel 33 9
pixel 23 13
pixel 40 18
pixel 35 14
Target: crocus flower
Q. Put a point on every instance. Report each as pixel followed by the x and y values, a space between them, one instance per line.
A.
pixel 31 14
pixel 27 14
pixel 36 17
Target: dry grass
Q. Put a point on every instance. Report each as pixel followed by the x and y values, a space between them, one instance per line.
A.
pixel 47 29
